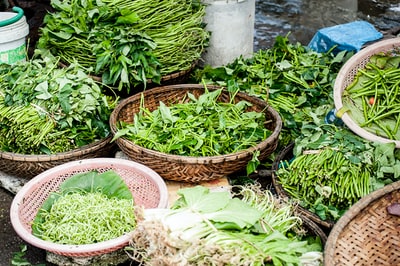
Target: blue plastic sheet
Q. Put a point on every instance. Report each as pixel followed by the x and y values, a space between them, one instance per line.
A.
pixel 349 37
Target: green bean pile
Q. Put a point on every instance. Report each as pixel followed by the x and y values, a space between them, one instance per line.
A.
pixel 77 219
pixel 325 174
pixel 373 98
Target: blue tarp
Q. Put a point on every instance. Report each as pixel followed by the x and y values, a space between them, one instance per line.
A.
pixel 350 37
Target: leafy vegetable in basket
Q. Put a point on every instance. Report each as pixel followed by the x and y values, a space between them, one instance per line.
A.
pixel 332 169
pixel 45 109
pixel 214 228
pixel 294 79
pixel 126 42
pixel 372 100
pixel 89 207
pixel 203 126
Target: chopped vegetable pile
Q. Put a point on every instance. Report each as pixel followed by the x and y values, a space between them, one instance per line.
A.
pixel 89 208
pixel 45 109
pixel 214 228
pixel 202 126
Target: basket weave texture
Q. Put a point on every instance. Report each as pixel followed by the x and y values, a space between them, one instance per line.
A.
pixel 367 234
pixel 28 166
pixel 187 168
pixel 285 155
pixel 346 76
pixel 148 190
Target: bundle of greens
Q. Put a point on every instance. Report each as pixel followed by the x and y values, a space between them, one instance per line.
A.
pixel 203 126
pixel 89 207
pixel 292 78
pixel 332 169
pixel 214 228
pixel 45 109
pixel 126 42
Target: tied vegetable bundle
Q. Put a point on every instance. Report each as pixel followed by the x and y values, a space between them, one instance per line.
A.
pixel 214 228
pixel 45 109
pixel 125 42
pixel 372 100
pixel 332 169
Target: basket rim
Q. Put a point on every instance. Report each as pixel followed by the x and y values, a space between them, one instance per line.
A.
pixel 338 88
pixel 79 250
pixel 352 212
pixel 85 149
pixel 193 159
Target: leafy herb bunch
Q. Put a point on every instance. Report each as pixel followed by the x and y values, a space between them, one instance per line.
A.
pixel 46 109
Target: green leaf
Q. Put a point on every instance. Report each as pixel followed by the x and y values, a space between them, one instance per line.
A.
pixel 42 88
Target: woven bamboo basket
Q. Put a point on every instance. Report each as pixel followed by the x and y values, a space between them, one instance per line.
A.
pixel 148 190
pixel 367 234
pixel 28 166
pixel 186 168
pixel 286 154
pixel 346 76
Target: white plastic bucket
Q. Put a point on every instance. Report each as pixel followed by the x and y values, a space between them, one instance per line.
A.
pixel 231 23
pixel 12 38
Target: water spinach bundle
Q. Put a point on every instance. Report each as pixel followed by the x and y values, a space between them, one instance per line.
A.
pixel 125 42
pixel 202 126
pixel 88 208
pixel 372 100
pixel 45 109
pixel 203 227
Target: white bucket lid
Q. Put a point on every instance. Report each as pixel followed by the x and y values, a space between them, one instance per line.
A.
pixel 14 31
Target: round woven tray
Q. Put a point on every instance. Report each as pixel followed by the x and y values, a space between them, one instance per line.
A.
pixel 285 155
pixel 346 76
pixel 148 190
pixel 28 166
pixel 186 168
pixel 367 234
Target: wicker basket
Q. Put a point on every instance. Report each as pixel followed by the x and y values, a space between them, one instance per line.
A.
pixel 346 76
pixel 367 234
pixel 28 166
pixel 186 168
pixel 148 190
pixel 285 155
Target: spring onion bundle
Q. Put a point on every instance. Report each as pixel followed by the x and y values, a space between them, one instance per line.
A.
pixel 214 228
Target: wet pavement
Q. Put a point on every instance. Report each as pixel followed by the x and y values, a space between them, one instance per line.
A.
pixel 300 18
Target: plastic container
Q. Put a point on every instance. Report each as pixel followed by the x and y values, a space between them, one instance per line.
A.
pixel 13 32
pixel 231 23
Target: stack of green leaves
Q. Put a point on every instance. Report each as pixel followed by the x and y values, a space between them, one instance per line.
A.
pixel 202 126
pixel 45 109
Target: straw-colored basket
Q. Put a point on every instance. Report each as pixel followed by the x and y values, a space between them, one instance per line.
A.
pixel 186 168
pixel 148 190
pixel 346 76
pixel 367 234
pixel 28 166
pixel 286 154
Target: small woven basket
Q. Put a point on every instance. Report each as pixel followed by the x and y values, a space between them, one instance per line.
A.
pixel 346 76
pixel 186 168
pixel 367 234
pixel 28 166
pixel 148 189
pixel 286 154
